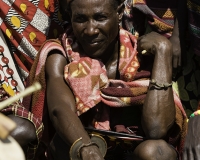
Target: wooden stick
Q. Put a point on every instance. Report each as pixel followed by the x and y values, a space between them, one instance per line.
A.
pixel 36 86
pixel 6 126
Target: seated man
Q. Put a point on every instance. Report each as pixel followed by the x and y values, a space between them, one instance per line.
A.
pixel 94 75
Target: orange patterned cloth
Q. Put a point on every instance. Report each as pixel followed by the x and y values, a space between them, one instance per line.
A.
pixel 88 76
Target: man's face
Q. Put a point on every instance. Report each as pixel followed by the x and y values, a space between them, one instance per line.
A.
pixel 96 25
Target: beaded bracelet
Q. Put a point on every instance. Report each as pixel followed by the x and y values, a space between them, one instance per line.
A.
pixel 160 85
pixel 196 113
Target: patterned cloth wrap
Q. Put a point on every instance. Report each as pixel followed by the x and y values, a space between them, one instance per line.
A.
pixel 194 24
pixel 27 24
pixel 90 84
pixel 160 18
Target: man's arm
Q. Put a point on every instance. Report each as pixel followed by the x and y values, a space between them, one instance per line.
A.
pixel 61 106
pixel 158 113
pixel 178 35
pixel 176 45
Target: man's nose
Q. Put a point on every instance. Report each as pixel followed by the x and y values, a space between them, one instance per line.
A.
pixel 91 28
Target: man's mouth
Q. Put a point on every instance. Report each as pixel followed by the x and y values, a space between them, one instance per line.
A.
pixel 94 42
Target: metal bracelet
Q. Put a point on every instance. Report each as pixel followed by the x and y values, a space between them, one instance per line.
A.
pixel 160 85
pixel 76 147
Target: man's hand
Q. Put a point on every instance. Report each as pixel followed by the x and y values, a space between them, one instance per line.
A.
pixel 176 51
pixel 91 153
pixel 153 43
pixel 191 149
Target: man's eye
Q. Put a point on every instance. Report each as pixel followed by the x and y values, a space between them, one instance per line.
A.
pixel 101 18
pixel 80 19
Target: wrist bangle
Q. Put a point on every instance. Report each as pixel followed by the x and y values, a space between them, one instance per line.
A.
pixel 160 85
pixel 78 145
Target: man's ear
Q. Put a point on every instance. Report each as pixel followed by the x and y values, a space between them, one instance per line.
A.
pixel 120 9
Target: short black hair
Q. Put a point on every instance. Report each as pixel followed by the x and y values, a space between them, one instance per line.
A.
pixel 115 3
pixel 65 8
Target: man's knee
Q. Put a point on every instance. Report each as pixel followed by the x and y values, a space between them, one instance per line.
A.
pixel 24 132
pixel 155 149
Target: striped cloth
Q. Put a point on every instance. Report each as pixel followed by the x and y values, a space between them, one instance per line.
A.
pixel 194 24
pixel 159 17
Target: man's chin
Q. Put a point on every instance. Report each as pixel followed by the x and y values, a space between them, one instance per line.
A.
pixel 94 54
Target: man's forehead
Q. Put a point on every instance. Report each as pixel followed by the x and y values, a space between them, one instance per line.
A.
pixel 88 5
pixel 89 2
pixel 92 8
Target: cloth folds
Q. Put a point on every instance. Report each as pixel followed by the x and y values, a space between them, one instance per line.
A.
pixel 159 18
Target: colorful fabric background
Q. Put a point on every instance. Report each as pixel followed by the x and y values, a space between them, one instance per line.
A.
pixel 27 24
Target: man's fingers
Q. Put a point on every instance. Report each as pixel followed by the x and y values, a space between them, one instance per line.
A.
pixel 175 61
pixel 190 155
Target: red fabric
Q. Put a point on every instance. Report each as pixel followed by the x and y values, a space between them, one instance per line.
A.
pixel 27 24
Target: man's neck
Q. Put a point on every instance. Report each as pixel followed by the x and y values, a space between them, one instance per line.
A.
pixel 111 53
pixel 111 62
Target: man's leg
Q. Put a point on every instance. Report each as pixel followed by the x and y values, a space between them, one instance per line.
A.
pixel 155 150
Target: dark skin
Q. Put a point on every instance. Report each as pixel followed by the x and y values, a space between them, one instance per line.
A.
pixel 160 72
pixel 155 119
pixel 97 30
pixel 178 35
pixel 24 133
